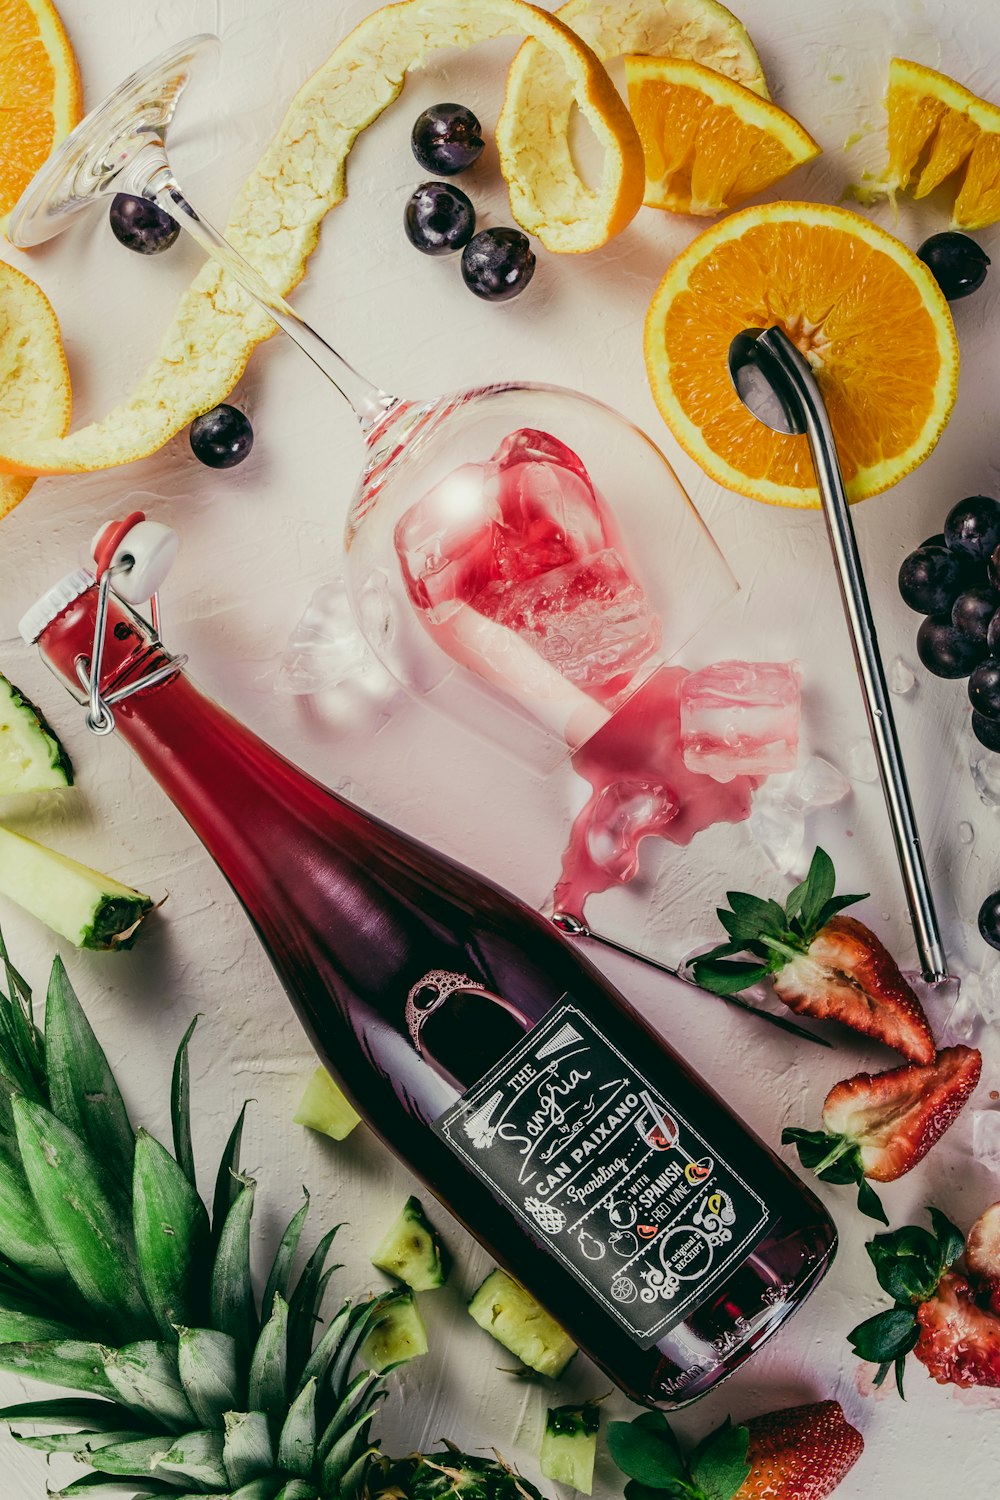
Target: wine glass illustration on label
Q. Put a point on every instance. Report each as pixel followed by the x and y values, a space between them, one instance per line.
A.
pixel 486 564
pixel 654 1123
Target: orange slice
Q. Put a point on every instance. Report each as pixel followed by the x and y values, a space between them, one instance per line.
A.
pixel 708 142
pixel 33 366
pixel 276 217
pixel 939 130
pixel 865 312
pixel 39 93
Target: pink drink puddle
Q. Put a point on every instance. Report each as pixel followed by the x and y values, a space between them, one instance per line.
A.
pixel 635 767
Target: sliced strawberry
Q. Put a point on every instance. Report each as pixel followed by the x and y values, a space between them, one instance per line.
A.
pixel 799 1454
pixel 958 1342
pixel 847 975
pixel 982 1254
pixel 895 1118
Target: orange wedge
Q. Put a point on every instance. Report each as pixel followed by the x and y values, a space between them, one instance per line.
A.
pixel 865 312
pixel 709 143
pixel 39 93
pixel 939 131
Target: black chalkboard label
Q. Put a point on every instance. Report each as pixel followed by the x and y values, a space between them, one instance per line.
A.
pixel 606 1173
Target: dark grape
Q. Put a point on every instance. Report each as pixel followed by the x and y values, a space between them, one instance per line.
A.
pixel 497 264
pixel 221 437
pixel 446 139
pixel 973 611
pixel 944 650
pixel 957 263
pixel 439 219
pixel 141 225
pixel 989 920
pixel 930 579
pixel 973 527
pixel 993 568
pixel 984 689
pixel 993 634
pixel 987 731
pixel 937 540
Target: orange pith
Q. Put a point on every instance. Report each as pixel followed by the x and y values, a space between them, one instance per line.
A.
pixel 39 93
pixel 709 143
pixel 858 304
pixel 939 132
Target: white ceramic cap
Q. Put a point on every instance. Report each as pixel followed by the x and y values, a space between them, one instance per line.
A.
pixel 52 603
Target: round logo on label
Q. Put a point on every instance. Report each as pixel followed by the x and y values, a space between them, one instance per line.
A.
pixel 686 1253
pixel 624 1289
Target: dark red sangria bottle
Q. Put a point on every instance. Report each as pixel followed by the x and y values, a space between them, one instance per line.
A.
pixel 481 1046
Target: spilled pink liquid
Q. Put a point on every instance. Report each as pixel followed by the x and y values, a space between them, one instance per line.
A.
pixel 640 747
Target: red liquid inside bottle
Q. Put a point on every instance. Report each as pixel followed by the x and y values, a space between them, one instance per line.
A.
pixel 485 1051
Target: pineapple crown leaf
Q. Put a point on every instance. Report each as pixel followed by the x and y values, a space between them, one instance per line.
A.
pixel 648 1453
pixel 180 1106
pixel 909 1263
pixel 772 934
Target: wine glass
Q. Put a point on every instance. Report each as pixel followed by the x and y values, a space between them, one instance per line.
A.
pixel 525 678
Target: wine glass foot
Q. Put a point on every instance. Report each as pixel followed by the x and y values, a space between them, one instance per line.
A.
pixel 91 161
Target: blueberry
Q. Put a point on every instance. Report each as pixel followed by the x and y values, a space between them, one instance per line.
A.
pixel 497 264
pixel 931 579
pixel 141 225
pixel 973 527
pixel 989 920
pixel 957 263
pixel 973 611
pixel 446 139
pixel 222 437
pixel 987 731
pixel 439 219
pixel 984 689
pixel 945 651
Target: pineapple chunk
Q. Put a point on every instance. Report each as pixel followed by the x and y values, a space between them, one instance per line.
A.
pixel 90 909
pixel 325 1108
pixel 516 1320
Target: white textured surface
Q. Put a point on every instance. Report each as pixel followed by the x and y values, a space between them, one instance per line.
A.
pixel 256 541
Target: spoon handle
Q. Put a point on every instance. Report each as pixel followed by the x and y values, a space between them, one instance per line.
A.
pixel 864 641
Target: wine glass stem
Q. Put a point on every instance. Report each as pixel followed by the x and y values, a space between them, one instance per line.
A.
pixel 368 400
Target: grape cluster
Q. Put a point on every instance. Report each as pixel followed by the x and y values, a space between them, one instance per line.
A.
pixel 439 219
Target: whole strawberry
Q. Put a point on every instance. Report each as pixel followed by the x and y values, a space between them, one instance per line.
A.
pixel 940 1314
pixel 878 1125
pixel 801 1453
pixel 821 964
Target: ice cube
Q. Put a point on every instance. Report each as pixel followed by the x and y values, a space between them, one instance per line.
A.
pixel 986 1137
pixel 326 648
pixel 985 768
pixel 627 811
pixel 859 759
pixel 901 677
pixel 966 833
pixel 741 719
pixel 779 830
pixel 982 993
pixel 817 784
pixel 588 619
pixel 447 543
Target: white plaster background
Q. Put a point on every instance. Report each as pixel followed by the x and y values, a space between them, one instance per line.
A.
pixel 256 540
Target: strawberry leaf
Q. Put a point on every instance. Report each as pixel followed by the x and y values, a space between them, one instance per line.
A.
pixel 724 978
pixel 815 891
pixel 835 1159
pixel 675 1489
pixel 869 1202
pixel 719 1465
pixel 907 1263
pixel 759 917
pixel 646 1450
pixel 951 1241
pixel 833 906
pixel 886 1337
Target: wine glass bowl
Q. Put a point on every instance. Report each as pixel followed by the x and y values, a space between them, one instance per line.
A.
pixel 94 159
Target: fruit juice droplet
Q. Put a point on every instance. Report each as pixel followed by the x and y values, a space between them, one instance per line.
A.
pixel 641 745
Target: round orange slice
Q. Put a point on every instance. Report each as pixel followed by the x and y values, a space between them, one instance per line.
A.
pixel 939 132
pixel 865 312
pixel 39 93
pixel 708 142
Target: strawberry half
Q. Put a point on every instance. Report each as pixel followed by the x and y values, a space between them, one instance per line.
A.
pixel 935 1313
pixel 982 1256
pixel 822 964
pixel 800 1454
pixel 879 1125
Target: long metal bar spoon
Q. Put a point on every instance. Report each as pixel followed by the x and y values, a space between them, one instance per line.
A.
pixel 775 383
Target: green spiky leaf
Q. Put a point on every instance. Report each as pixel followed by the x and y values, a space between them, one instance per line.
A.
pixel 297 1443
pixel 197 1456
pixel 232 1304
pixel 269 1365
pixel 82 1218
pixel 20 1327
pixel 66 1362
pixel 228 1181
pixel 304 1305
pixel 247 1450
pixel 78 1444
pixel 208 1364
pixel 134 1458
pixel 297 1489
pixel 97 1486
pixel 280 1274
pixel 146 1376
pixel 172 1237
pixel 83 1093
pixel 62 1411
pixel 23 1238
pixel 180 1107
